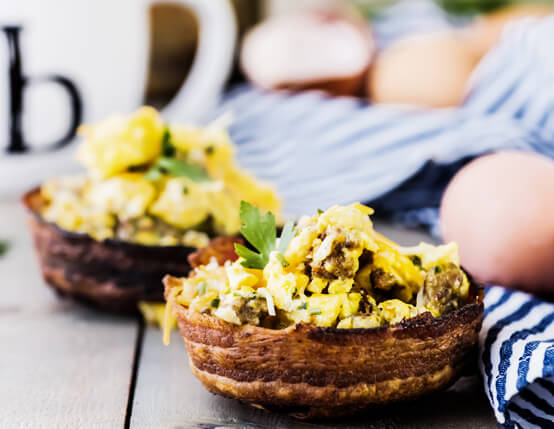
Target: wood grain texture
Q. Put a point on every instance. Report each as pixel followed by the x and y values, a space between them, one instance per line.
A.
pixel 61 365
pixel 167 395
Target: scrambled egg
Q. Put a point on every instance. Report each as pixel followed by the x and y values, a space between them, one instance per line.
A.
pixel 338 273
pixel 128 194
pixel 116 144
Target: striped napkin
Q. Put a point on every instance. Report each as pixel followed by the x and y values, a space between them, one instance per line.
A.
pixel 321 151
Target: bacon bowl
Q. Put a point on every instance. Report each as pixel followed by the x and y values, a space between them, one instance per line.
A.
pixel 113 275
pixel 313 372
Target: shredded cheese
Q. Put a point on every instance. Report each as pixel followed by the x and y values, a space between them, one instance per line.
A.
pixel 269 300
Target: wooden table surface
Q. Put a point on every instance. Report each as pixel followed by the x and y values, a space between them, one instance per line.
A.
pixel 66 366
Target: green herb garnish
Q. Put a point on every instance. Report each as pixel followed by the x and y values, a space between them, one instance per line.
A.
pixel 4 246
pixel 215 302
pixel 294 292
pixel 314 311
pixel 168 149
pixel 177 168
pixel 249 295
pixel 303 306
pixel 209 150
pixel 282 260
pixel 261 233
pixel 416 260
pixel 437 269
pixel 319 211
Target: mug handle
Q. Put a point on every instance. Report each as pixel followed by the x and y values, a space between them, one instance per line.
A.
pixel 212 61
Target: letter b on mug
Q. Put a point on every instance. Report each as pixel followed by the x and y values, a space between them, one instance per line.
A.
pixel 18 82
pixel 103 46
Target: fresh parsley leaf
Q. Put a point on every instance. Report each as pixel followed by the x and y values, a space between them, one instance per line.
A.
pixel 4 246
pixel 261 232
pixel 282 260
pixel 168 149
pixel 319 211
pixel 177 168
pixel 251 258
pixel 314 311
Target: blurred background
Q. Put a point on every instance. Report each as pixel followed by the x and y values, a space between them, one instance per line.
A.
pixel 67 63
pixel 174 29
pixel 334 101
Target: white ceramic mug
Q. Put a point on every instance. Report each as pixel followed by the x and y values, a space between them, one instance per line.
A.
pixel 65 62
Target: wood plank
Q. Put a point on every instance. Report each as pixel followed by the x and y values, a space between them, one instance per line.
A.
pixel 61 365
pixel 167 395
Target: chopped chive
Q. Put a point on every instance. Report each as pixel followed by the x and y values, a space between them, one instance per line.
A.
pixel 303 306
pixel 282 260
pixel 215 302
pixel 249 295
pixel 314 311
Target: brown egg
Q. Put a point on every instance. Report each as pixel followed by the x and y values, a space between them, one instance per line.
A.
pixel 487 29
pixel 325 50
pixel 428 70
pixel 500 210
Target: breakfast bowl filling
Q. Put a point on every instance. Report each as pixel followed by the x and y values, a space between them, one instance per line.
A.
pixel 152 194
pixel 326 320
pixel 332 270
pixel 152 183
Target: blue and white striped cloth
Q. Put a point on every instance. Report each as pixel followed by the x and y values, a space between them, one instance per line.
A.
pixel 321 151
pixel 517 358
